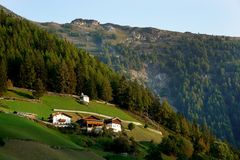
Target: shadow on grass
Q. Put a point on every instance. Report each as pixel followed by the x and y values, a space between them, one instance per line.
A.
pixel 22 94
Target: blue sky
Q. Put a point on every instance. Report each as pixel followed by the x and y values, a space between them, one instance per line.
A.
pixel 217 17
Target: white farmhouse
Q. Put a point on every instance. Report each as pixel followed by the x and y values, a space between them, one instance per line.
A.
pixel 84 99
pixel 60 119
pixel 114 124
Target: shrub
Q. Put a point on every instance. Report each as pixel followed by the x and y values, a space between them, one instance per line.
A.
pixel 9 84
pixel 105 142
pixel 120 145
pixel 177 146
pixel 39 89
pixel 154 153
pixel 131 126
pixel 146 126
pixel 2 143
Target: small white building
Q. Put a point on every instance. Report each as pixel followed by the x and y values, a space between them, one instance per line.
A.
pixel 60 119
pixel 114 124
pixel 84 99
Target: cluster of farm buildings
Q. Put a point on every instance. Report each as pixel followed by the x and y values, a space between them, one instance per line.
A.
pixel 88 123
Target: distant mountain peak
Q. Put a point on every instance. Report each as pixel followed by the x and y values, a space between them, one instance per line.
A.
pixel 85 22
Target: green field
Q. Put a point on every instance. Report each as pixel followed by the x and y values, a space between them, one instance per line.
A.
pixel 19 150
pixel 14 127
pixel 143 134
pixel 49 102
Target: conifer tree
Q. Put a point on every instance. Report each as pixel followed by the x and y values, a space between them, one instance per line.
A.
pixel 81 75
pixel 106 90
pixel 3 76
pixel 27 72
pixel 62 77
pixel 72 81
pixel 39 89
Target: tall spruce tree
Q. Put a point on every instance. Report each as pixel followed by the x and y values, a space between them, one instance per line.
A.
pixel 62 77
pixel 27 72
pixel 3 76
pixel 106 90
pixel 38 89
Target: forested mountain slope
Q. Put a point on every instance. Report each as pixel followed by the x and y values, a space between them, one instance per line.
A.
pixel 31 57
pixel 199 74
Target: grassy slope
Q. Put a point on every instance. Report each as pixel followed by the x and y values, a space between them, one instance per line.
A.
pixel 142 134
pixel 17 149
pixel 12 126
pixel 49 102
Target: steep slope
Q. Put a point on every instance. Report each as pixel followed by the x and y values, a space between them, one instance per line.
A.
pixel 14 127
pixel 199 74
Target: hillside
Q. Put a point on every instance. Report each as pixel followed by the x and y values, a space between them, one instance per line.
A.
pixel 17 100
pixel 197 73
pixel 28 130
pixel 19 150
pixel 44 64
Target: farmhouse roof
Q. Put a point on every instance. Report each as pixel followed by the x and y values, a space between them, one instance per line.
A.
pixel 91 118
pixel 113 120
pixel 57 113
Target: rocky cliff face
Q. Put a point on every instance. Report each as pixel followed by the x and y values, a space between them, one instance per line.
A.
pixel 81 22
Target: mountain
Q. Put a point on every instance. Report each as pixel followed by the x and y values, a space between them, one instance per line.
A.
pixel 32 58
pixel 199 74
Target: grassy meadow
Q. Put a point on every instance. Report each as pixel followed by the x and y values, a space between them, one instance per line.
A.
pixel 14 127
pixel 19 150
pixel 47 103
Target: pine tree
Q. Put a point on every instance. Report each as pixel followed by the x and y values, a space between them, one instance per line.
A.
pixel 72 81
pixel 90 88
pixel 38 89
pixel 107 90
pixel 81 78
pixel 40 67
pixel 62 77
pixel 3 76
pixel 27 72
pixel 66 78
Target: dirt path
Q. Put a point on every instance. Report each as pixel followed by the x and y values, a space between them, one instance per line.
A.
pixel 155 131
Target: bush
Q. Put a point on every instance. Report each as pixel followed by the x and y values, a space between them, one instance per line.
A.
pixel 146 126
pixel 9 84
pixel 176 146
pixel 131 126
pixel 2 143
pixel 221 150
pixel 39 89
pixel 120 145
pixel 154 153
pixel 87 142
pixel 105 142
